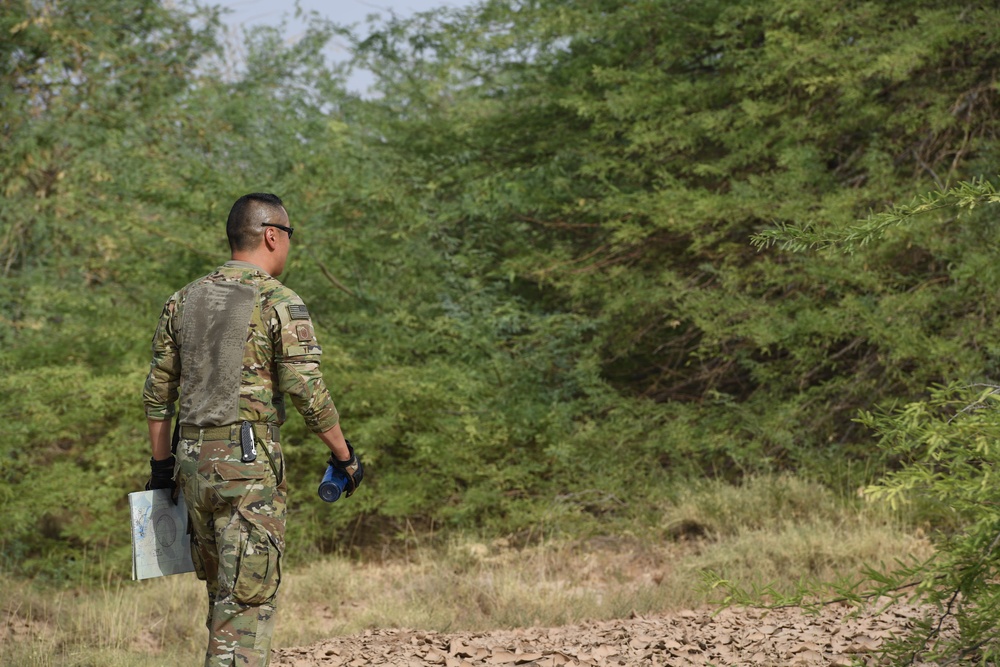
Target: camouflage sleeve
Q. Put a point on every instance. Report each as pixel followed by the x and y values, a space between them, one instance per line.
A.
pixel 297 356
pixel 160 391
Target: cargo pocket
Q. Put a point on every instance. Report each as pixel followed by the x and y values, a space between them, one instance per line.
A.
pixel 236 470
pixel 259 570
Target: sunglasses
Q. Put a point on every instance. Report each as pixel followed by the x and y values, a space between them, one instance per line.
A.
pixel 281 227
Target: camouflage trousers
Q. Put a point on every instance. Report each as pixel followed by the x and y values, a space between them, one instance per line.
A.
pixel 236 512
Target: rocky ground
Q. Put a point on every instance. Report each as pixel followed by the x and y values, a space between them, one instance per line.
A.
pixel 730 637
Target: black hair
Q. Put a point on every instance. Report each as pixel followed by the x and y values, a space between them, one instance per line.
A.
pixel 243 228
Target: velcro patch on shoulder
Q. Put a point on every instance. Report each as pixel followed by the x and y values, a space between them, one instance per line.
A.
pixel 303 332
pixel 298 311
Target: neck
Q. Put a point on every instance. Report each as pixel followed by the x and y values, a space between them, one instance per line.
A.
pixel 257 259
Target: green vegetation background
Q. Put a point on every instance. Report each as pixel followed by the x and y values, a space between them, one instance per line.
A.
pixel 528 256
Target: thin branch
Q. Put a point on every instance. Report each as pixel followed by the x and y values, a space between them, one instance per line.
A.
pixel 576 260
pixel 330 277
pixel 972 407
pixel 826 603
pixel 951 603
pixel 558 223
pixel 928 169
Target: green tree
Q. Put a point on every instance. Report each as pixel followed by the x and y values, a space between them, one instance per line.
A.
pixel 944 447
pixel 123 144
pixel 606 162
pixel 528 257
pixel 90 97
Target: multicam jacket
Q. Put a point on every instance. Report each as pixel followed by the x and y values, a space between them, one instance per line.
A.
pixel 235 342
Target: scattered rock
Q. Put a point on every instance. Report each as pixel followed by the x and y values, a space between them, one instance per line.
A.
pixel 836 637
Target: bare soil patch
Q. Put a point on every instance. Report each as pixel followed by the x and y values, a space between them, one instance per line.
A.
pixel 786 637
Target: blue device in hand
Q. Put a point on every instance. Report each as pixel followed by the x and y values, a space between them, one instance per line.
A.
pixel 333 484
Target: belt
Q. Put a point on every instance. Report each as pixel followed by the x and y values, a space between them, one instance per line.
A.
pixel 232 432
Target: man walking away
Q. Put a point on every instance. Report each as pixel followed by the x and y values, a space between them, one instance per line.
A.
pixel 231 346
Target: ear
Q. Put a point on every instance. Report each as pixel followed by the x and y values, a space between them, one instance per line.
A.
pixel 270 239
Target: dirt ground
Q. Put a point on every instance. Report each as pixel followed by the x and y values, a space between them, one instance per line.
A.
pixel 785 637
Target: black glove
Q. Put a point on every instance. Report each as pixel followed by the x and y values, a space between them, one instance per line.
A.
pixel 352 468
pixel 161 476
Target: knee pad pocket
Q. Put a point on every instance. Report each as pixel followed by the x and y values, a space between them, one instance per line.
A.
pixel 258 571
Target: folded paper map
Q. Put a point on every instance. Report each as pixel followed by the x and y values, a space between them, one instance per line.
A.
pixel 160 541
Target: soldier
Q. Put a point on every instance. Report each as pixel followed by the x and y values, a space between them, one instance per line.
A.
pixel 233 344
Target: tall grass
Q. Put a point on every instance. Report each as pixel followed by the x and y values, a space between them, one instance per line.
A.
pixel 117 624
pixel 774 530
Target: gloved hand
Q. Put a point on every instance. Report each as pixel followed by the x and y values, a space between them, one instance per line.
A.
pixel 352 467
pixel 161 476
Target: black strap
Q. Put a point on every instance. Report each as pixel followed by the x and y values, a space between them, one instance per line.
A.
pixel 177 434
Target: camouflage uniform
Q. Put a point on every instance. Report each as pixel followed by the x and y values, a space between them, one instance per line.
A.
pixel 232 345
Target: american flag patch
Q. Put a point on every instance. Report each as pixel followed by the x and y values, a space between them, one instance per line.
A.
pixel 298 311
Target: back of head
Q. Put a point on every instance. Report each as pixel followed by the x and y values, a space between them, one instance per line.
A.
pixel 244 228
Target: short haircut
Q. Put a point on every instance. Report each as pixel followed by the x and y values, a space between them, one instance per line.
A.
pixel 244 228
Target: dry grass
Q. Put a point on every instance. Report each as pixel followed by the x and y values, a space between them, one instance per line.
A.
pixel 771 530
pixel 119 624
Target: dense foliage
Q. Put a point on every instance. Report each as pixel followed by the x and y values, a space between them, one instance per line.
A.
pixel 944 446
pixel 528 256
